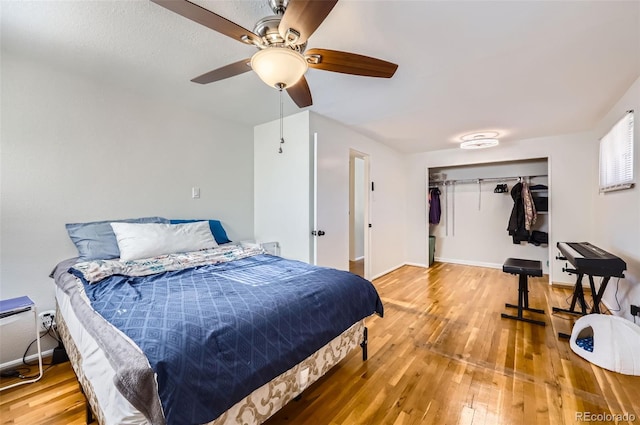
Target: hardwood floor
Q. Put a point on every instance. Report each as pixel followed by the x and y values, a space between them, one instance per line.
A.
pixel 357 267
pixel 441 355
pixel 55 399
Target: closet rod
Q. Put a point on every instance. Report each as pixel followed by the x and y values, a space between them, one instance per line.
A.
pixel 480 180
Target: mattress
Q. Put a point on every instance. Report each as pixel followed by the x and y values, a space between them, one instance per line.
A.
pixel 84 333
pixel 93 369
pixel 109 406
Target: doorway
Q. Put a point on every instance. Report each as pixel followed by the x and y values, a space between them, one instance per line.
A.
pixel 358 213
pixel 476 207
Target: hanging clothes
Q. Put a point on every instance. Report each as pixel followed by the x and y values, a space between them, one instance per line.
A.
pixel 539 238
pixel 516 226
pixel 530 215
pixel 435 209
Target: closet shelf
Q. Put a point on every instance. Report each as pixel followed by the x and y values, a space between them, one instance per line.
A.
pixel 482 180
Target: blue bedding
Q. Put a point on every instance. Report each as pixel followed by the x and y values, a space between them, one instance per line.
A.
pixel 215 333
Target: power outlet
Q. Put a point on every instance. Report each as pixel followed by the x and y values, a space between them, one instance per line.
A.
pixel 47 319
pixel 635 310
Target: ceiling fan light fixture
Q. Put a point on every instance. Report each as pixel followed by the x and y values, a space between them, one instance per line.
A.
pixel 279 67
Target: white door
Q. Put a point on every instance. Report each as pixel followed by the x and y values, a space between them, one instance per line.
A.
pixel 330 230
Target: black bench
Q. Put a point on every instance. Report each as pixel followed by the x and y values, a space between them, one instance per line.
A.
pixel 524 269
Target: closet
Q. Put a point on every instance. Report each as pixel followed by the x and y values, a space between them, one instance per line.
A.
pixel 476 207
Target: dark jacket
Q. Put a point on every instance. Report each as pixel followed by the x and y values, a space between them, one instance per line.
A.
pixel 434 206
pixel 516 225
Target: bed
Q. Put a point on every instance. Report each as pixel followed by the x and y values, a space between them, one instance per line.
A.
pixel 223 334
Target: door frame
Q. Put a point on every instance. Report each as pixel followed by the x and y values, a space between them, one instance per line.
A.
pixel 366 222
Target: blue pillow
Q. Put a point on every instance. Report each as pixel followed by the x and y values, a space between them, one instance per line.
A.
pixel 218 231
pixel 96 240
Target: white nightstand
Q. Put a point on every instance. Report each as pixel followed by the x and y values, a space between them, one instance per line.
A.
pixel 8 310
pixel 272 248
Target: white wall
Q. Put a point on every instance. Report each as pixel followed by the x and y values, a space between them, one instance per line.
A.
pixel 283 204
pixel 387 202
pixel 76 150
pixel 571 190
pixel 473 225
pixel 617 214
pixel 282 185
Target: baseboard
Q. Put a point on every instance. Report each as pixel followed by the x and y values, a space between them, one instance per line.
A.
pixel 18 362
pixel 587 291
pixel 424 266
pixel 567 285
pixel 618 311
pixel 387 271
pixel 468 262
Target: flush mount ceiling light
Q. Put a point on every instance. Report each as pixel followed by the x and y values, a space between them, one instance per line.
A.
pixel 479 143
pixel 279 67
pixel 479 140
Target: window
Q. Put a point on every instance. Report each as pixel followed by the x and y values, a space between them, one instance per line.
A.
pixel 616 156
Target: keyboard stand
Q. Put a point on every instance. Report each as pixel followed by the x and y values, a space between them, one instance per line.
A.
pixel 578 297
pixel 597 296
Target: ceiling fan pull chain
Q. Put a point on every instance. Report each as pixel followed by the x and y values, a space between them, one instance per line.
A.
pixel 281 120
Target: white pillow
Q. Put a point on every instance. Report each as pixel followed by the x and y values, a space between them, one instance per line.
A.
pixel 146 240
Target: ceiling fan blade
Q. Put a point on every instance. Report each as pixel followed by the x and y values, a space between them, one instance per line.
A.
pixel 300 93
pixel 303 17
pixel 227 71
pixel 209 19
pixel 349 63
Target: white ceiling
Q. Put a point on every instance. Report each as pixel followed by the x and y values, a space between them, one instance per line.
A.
pixel 523 68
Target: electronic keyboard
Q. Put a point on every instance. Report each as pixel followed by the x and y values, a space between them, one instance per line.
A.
pixel 590 260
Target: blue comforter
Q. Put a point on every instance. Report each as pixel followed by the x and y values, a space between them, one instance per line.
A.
pixel 215 333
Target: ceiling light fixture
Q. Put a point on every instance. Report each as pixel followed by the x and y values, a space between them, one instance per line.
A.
pixel 279 67
pixel 479 140
pixel 479 143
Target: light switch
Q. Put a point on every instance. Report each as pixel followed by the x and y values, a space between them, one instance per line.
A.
pixel 195 192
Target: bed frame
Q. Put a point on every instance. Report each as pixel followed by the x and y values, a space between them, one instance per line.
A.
pixel 262 403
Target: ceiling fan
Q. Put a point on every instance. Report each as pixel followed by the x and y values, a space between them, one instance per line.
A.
pixel 281 39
